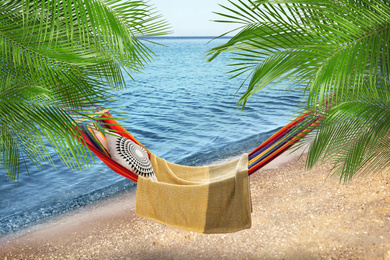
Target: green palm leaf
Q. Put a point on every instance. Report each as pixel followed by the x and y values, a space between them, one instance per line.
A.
pixel 339 47
pixel 60 56
pixel 355 136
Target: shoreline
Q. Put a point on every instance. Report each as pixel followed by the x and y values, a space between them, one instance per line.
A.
pixel 22 219
pixel 112 205
pixel 296 214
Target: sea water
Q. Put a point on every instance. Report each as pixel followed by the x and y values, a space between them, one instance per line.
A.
pixel 181 108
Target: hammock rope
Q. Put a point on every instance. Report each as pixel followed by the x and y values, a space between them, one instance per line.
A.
pixel 269 150
pixel 281 141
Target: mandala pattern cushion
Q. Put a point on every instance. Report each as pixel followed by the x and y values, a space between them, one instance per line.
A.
pixel 130 155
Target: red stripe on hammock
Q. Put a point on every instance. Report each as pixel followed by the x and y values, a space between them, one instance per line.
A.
pixel 114 125
pixel 116 167
pixel 280 132
pixel 282 149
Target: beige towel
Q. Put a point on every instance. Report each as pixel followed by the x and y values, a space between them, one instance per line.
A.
pixel 210 199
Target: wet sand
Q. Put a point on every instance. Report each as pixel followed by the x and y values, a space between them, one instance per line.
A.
pixel 297 214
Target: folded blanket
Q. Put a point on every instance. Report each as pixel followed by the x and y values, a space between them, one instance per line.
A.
pixel 210 199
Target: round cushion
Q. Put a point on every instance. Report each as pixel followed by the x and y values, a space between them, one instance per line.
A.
pixel 130 155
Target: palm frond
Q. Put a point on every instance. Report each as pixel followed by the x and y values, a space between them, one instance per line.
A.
pixel 337 48
pixel 64 56
pixel 342 40
pixel 354 135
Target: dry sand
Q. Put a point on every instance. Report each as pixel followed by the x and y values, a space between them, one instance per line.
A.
pixel 297 214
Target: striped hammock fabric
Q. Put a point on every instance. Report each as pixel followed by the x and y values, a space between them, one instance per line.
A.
pixel 280 142
pixel 274 146
pixel 205 199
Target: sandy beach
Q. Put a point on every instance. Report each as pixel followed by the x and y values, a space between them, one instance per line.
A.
pixel 297 214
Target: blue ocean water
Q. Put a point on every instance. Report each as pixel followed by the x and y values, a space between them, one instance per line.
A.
pixel 182 108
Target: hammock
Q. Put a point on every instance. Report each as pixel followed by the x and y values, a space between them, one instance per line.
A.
pixel 208 199
pixel 273 147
